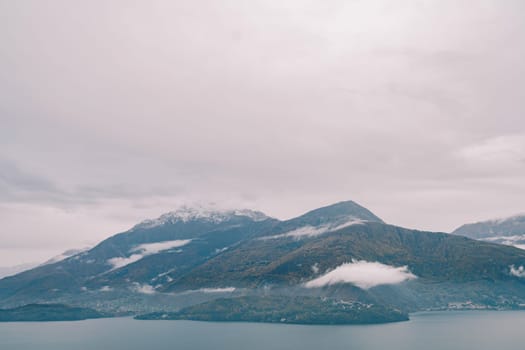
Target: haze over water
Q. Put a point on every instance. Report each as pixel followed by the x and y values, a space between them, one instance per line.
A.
pixel 479 330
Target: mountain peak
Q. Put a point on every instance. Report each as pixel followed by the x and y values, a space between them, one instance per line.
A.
pixel 192 213
pixel 341 210
pixel 491 229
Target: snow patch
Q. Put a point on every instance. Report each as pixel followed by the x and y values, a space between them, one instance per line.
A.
pixel 363 274
pixel 185 214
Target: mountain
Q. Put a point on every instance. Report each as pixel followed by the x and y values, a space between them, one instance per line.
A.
pixel 6 271
pixel 335 214
pixel 66 254
pixel 330 257
pixel 175 242
pixel 509 231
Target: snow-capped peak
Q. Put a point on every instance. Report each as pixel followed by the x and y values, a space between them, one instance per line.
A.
pixel 186 213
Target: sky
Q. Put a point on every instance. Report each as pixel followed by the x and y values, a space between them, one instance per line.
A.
pixel 116 111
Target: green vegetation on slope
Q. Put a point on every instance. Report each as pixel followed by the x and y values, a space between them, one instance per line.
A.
pixel 281 309
pixel 47 312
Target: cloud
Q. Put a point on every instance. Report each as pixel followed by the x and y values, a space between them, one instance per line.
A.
pixel 305 231
pixel 217 290
pixel 119 262
pixel 64 255
pixel 363 274
pixel 334 98
pixel 208 290
pixel 312 231
pixel 517 241
pixel 20 185
pixel 143 288
pixel 145 250
pixel 17 184
pixel 518 272
pixel 505 150
pixel 154 248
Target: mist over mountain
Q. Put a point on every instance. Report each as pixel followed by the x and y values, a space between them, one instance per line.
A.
pixel 508 231
pixel 343 252
pixel 13 270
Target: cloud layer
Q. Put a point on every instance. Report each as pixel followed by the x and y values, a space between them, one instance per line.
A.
pixel 363 274
pixel 154 248
pixel 117 112
pixel 312 231
pixel 146 249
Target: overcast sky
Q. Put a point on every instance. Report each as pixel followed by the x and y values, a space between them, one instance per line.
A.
pixel 116 111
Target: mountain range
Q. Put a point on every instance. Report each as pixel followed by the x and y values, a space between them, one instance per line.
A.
pixel 509 231
pixel 336 264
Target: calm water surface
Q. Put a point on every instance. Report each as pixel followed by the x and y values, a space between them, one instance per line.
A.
pixel 480 330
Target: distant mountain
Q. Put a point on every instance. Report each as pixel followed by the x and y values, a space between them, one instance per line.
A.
pixel 13 270
pixel 509 231
pixel 6 271
pixel 342 254
pixel 66 254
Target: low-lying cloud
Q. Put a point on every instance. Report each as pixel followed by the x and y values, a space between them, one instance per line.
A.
pixel 517 241
pixel 119 262
pixel 143 288
pixel 154 248
pixel 363 274
pixel 517 271
pixel 312 231
pixel 217 290
pixel 146 249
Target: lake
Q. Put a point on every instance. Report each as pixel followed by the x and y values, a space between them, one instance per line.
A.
pixel 480 330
